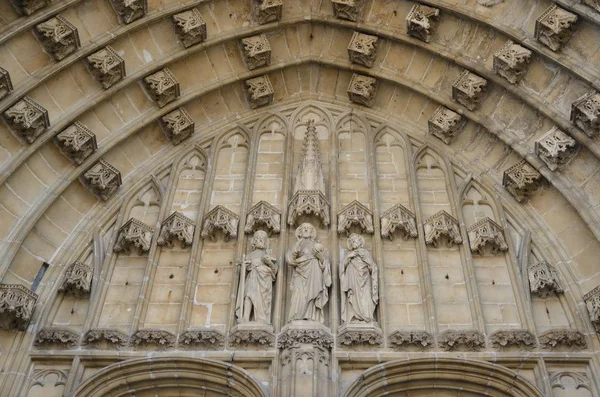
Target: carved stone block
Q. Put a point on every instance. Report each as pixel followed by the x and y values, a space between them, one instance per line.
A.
pixel 5 83
pixel 106 66
pixel 102 179
pixel 585 113
pixel 404 338
pixel 28 119
pixel 77 279
pixel 252 334
pixel 263 213
pixel 398 217
pixel 422 22
pixel 441 228
pixel 202 339
pixel 362 89
pixel 486 236
pixel 260 91
pixel 220 218
pixel 28 7
pixel 16 306
pixel 103 337
pixel 563 338
pixel 57 337
pixel 521 180
pixel 355 214
pixel 363 49
pixel 134 236
pixel 543 279
pixel 348 9
pixel 580 380
pixel 178 125
pixel 153 337
pixel 256 51
pixel 511 61
pixel 163 87
pixel 76 142
pixel 592 302
pixel 555 27
pixel 519 338
pixel 308 202
pixel 469 340
pixel 305 333
pixel 469 89
pixel 360 334
pixel 190 27
pixel 595 4
pixel 266 11
pixel 555 148
pixel 58 36
pixel 130 10
pixel 445 124
pixel 176 227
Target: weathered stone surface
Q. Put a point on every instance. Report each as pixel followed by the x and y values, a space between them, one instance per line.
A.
pixel 442 229
pixel 190 27
pixel 487 237
pixel 134 235
pixel 398 218
pixel 5 83
pixel 360 334
pixel 111 338
pixel 178 125
pixel 363 49
pixel 77 279
pixel 76 142
pixel 106 66
pixel 130 10
pixel 511 61
pixel 202 339
pixel 469 89
pixel 177 227
pixel 244 335
pixel 521 180
pixel 422 21
pixel 595 4
pixel 220 219
pixel 355 214
pixel 555 27
pixel 162 86
pixel 592 302
pixel 266 11
pixel 585 113
pixel 290 337
pixel 28 7
pixel 566 379
pixel 519 338
pixel 563 338
pixel 468 340
pixel 406 338
pixel 256 51
pixel 556 148
pixel 265 214
pixel 102 179
pixel 362 89
pixel 260 91
pixel 157 338
pixel 28 119
pixel 57 337
pixel 543 279
pixel 445 124
pixel 16 306
pixel 58 36
pixel 350 10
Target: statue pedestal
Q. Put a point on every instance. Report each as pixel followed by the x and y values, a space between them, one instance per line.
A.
pixel 252 334
pixel 360 334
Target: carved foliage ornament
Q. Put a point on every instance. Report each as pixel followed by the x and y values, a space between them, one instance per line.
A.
pixel 178 125
pixel 112 337
pixel 190 27
pixel 469 89
pixel 401 339
pixel 266 11
pixel 28 119
pixel 355 214
pixel 256 51
pixel 5 83
pixel 363 49
pixel 555 27
pixel 511 61
pixel 57 336
pixel 362 89
pixel 207 339
pixel 518 338
pixel 245 337
pixel 543 279
pixel 176 227
pixel 445 124
pixel 76 142
pixel 16 306
pixel 521 180
pixel 422 22
pixel 28 7
pixel 487 236
pixel 153 337
pixel 348 9
pixel 263 213
pixel 461 340
pixel 260 91
pixel 592 301
pixel 102 179
pixel 293 337
pixel 106 66
pixel 353 336
pixel 134 236
pixel 566 338
pixel 220 218
pixel 77 279
pixel 555 148
pixel 58 36
pixel 130 10
pixel 585 113
pixel 162 86
pixel 398 217
pixel 440 226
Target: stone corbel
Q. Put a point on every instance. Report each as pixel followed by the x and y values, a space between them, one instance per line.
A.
pixel 401 339
pixel 519 338
pixel 220 218
pixel 176 227
pixel 422 22
pixel 60 337
pixel 134 236
pixel 163 87
pixel 362 89
pixel 130 10
pixel 256 51
pixel 440 226
pixel 360 335
pixel 76 142
pixel 307 202
pixel 6 86
pixel 400 218
pixel 153 337
pixel 592 302
pixel 348 9
pixel 266 11
pixel 486 236
pixel 106 66
pixel 252 334
pixel 543 279
pixel 102 179
pixel 28 119
pixel 58 37
pixel 556 149
pixel 190 27
pixel 104 337
pixel 585 113
pixel 563 338
pixel 469 89
pixel 445 124
pixel 263 213
pixel 260 91
pixel 202 339
pixel 363 49
pixel 555 27
pixel 16 306
pixel 357 214
pixel 77 279
pixel 468 340
pixel 521 180
pixel 28 7
pixel 178 125
pixel 291 337
pixel 511 61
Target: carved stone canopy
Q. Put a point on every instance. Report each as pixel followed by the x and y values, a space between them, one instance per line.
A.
pixel 556 149
pixel 162 86
pixel 521 180
pixel 190 27
pixel 59 337
pixel 76 142
pixel 178 125
pixel 77 279
pixel 201 339
pixel 442 226
pixel 563 338
pixel 220 218
pixel 58 37
pixel 176 227
pixel 263 213
pixel 398 217
pixel 469 340
pixel 357 214
pixel 445 124
pixel 266 11
pixel 348 9
pixel 256 51
pixel 404 338
pixel 592 301
pixel 106 66
pixel 260 91
pixel 422 22
pixel 511 61
pixel 363 49
pixel 469 89
pixel 486 236
pixel 102 179
pixel 28 7
pixel 307 202
pixel 543 279
pixel 28 119
pixel 134 236
pixel 130 10
pixel 5 83
pixel 595 4
pixel 362 89
pixel 555 27
pixel 520 338
pixel 585 113
pixel 16 306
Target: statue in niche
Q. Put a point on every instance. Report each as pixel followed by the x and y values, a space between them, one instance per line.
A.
pixel 311 277
pixel 359 283
pixel 255 291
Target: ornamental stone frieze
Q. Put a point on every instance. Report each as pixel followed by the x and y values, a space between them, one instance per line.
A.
pixel 595 4
pixel 251 335
pixel 157 338
pixel 556 149
pixel 28 7
pixel 592 302
pixel 511 61
pixel 422 22
pixel 469 89
pixel 163 87
pixel 256 51
pixel 190 27
pixel 106 66
pixel 202 339
pixel 28 119
pixel 291 337
pixel 130 10
pixel 519 338
pixel 355 214
pixel 102 179
pixel 58 37
pixel 555 27
pixel 487 237
pixel 362 89
pixel 16 306
pixel 363 49
pixel 105 337
pixel 260 91
pixel 133 236
pixel 76 142
pixel 442 229
pixel 220 219
pixel 266 11
pixel 177 227
pixel 57 337
pixel 489 3
pixel 521 180
pixel 562 338
pixel 77 279
pixel 360 335
pixel 445 124
pixel 348 9
pixel 178 125
pixel 398 218
pixel 402 339
pixel 468 340
pixel 263 213
pixel 585 113
pixel 5 83
pixel 543 279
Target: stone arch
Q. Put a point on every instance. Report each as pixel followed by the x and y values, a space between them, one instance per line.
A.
pixel 166 375
pixel 442 376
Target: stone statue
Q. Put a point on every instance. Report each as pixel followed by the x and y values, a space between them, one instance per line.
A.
pixel 255 291
pixel 358 283
pixel 311 276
